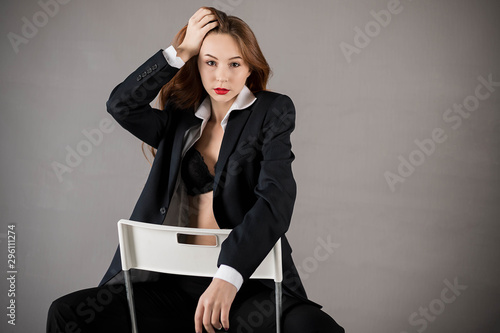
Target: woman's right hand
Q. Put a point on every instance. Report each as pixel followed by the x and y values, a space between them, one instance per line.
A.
pixel 198 26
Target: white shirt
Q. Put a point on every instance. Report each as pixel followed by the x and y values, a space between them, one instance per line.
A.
pixel 177 211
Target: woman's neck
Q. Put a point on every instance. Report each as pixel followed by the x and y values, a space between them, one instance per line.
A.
pixel 220 109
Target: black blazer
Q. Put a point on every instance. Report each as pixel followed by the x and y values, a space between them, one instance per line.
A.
pixel 254 188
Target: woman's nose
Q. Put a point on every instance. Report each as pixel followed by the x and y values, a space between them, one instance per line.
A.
pixel 222 75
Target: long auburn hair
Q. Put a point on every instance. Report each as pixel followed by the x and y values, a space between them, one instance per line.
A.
pixel 185 89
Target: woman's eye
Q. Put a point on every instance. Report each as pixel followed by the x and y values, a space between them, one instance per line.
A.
pixel 212 63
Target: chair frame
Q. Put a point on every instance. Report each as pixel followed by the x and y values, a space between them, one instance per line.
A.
pixel 141 243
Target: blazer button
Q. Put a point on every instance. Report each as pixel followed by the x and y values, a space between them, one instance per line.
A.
pixel 139 78
pixel 149 70
pixel 163 210
pixel 144 74
pixel 155 66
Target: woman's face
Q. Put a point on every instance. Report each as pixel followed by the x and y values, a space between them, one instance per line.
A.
pixel 221 65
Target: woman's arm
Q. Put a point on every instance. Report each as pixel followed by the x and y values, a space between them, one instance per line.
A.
pixel 270 216
pixel 268 219
pixel 129 101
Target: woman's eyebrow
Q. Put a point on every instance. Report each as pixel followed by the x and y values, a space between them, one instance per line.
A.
pixel 236 57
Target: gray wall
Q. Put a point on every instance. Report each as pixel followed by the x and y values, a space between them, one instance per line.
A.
pixel 403 187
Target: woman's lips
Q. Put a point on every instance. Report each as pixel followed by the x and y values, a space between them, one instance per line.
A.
pixel 221 91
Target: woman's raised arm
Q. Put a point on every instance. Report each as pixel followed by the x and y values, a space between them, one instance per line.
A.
pixel 129 101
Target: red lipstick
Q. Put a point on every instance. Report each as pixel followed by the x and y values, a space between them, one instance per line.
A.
pixel 221 91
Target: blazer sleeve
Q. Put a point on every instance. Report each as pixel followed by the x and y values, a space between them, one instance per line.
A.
pixel 129 102
pixel 269 218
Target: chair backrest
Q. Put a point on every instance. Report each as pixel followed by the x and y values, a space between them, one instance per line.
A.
pixel 155 247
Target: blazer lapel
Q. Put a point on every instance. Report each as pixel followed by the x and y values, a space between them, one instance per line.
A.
pixel 187 120
pixel 235 124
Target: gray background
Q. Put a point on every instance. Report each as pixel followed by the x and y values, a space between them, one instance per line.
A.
pixel 394 247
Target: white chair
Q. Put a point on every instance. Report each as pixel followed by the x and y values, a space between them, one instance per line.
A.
pixel 155 247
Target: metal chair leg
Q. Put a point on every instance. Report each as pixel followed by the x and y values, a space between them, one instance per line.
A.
pixel 130 299
pixel 278 306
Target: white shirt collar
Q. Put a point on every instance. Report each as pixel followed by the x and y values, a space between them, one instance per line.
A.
pixel 244 99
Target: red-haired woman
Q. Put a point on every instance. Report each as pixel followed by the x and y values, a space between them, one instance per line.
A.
pixel 222 159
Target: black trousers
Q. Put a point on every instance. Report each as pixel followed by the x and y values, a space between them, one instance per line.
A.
pixel 169 305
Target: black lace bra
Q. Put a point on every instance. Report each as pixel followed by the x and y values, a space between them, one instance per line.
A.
pixel 195 174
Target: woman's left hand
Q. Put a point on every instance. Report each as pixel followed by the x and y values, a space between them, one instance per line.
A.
pixel 213 306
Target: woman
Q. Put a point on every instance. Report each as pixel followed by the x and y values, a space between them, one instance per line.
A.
pixel 222 159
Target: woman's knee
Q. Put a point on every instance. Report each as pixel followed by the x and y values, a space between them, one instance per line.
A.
pixel 308 318
pixel 61 317
pixel 75 311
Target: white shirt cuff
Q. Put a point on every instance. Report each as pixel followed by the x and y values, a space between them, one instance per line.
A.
pixel 229 274
pixel 171 55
